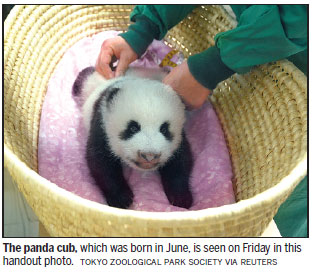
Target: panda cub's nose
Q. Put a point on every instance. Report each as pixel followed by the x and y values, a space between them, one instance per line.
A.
pixel 149 157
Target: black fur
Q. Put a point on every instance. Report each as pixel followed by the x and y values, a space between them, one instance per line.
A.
pixel 164 129
pixel 111 92
pixel 82 76
pixel 133 127
pixel 104 167
pixel 175 176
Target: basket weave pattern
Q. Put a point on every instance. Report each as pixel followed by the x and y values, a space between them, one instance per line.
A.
pixel 263 114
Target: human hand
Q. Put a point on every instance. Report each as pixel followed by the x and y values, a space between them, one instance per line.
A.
pixel 119 48
pixel 191 91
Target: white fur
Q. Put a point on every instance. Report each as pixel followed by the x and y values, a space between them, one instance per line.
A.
pixel 147 73
pixel 92 82
pixel 91 91
pixel 148 102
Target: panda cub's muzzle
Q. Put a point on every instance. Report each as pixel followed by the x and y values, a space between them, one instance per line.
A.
pixel 147 160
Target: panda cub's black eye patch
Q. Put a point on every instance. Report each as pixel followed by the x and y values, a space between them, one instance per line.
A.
pixel 164 129
pixel 133 127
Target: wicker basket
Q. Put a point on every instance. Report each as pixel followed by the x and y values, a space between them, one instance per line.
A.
pixel 263 114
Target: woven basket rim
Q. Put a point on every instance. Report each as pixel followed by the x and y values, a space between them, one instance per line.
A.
pixel 226 210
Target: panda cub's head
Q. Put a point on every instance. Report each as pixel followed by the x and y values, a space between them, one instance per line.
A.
pixel 143 120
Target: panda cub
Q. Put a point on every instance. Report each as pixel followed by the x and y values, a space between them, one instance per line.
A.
pixel 137 121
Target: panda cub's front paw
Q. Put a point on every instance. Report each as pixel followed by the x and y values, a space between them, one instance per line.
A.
pixel 181 199
pixel 122 198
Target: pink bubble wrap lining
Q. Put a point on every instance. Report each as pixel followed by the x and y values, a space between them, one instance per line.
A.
pixel 62 140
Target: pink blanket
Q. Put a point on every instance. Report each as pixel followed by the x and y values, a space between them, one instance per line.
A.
pixel 62 140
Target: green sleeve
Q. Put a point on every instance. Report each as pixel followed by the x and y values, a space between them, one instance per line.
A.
pixel 208 68
pixel 264 33
pixel 153 22
pixel 292 216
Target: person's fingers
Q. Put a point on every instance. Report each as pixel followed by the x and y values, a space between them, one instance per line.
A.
pixel 191 91
pixel 103 62
pixel 104 70
pixel 112 50
pixel 126 58
pixel 112 63
pixel 121 67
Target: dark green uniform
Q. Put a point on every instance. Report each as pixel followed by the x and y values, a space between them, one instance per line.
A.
pixel 264 33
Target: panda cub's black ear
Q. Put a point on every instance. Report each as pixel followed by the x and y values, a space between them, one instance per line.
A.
pixel 111 93
pixel 81 78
